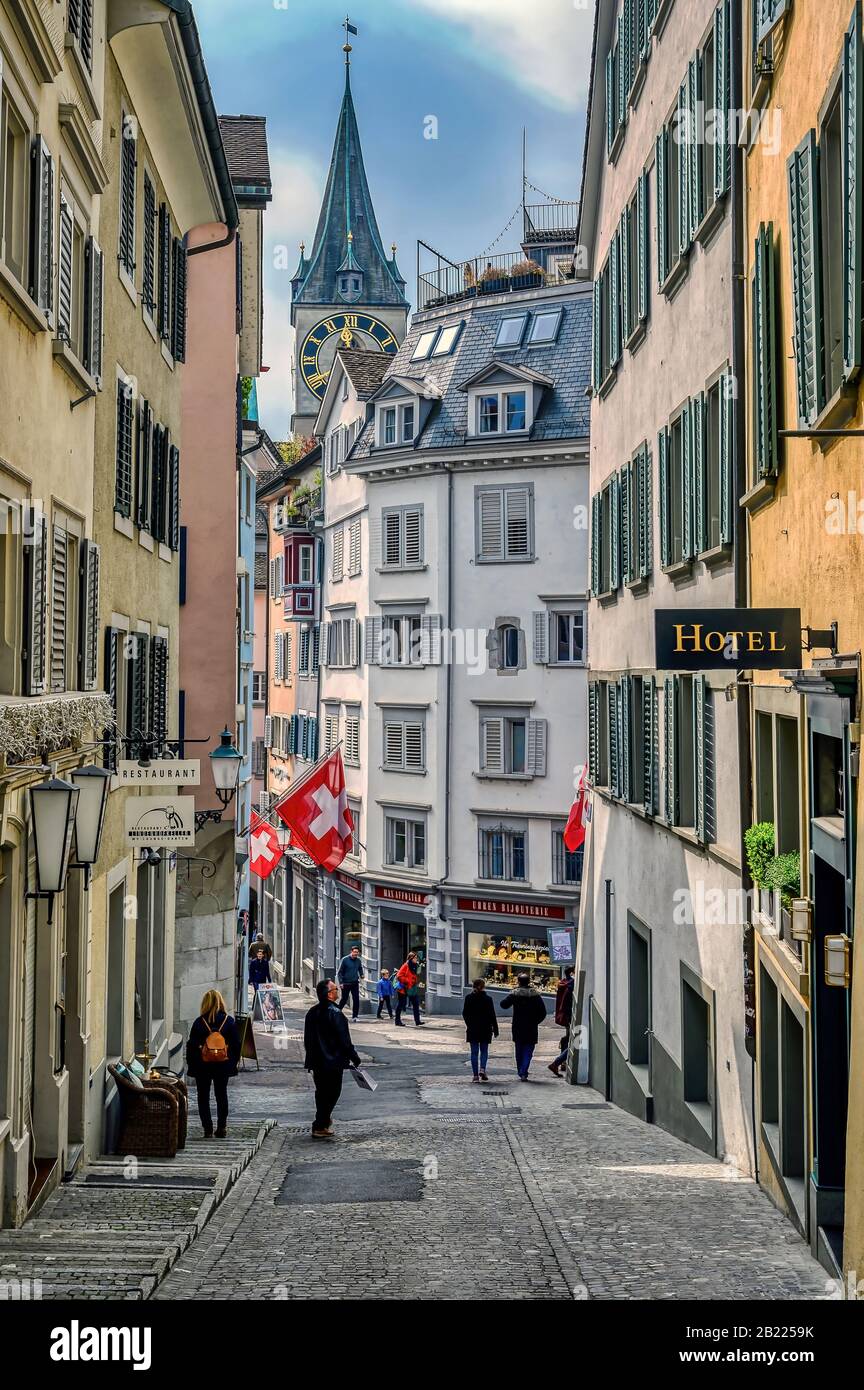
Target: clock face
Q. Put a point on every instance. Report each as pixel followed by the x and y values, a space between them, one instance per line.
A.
pixel 340 330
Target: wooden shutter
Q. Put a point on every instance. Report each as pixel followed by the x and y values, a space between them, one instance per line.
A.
pixel 687 488
pixel 64 276
pixel 128 163
pixel 541 638
pixel 536 736
pixel 663 470
pixel 113 653
pixel 593 734
pixel 700 699
pixel 164 306
pixel 268 731
pixel 670 751
pixel 613 726
pixel 148 276
pixel 136 702
pixel 86 33
pixel 178 334
pixel 316 649
pixel 431 625
pixel 517 504
pixel 354 547
pixel 626 494
pixel 627 47
pixel 278 656
pixel 413 536
pixel 490 524
pixel 392 538
pixel 595 544
pixel 394 744
pixel 59 607
pixel 142 465
pixel 645 520
pixel 727 474
pixel 88 609
pixel 662 179
pixel 173 529
pixel 627 290
pixel 621 66
pixel 722 151
pixel 338 553
pixel 649 748
pixel 159 689
pixel 695 189
pixel 611 101
pixel 492 745
pixel 597 336
pixel 372 641
pixel 42 230
pixel 615 299
pixel 94 307
pixel 698 465
pixel 353 642
pixel 643 250
pixel 853 195
pixel 613 501
pixel 158 480
pixel 685 142
pixel 625 751
pixel 764 355
pixel 123 462
pixel 806 250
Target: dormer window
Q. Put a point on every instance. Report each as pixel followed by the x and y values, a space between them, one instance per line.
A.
pixel 397 424
pixel 502 412
pixel 350 286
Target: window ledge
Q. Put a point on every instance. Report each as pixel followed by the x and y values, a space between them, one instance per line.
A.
pixel 676 277
pixel 638 587
pixel 760 494
pixel 166 356
pixel 83 77
pixel 563 887
pixel 145 540
pixel 505 776
pixel 516 883
pixel 396 569
pixel 165 553
pixel 123 524
pixel 637 335
pixel 17 297
pixel 77 134
pixel 617 144
pixel 682 569
pixel 608 597
pixel 711 221
pixel 661 17
pixel 66 358
pixel 716 555
pixel 127 282
pixel 838 412
pixel 638 82
pixel 608 382
pixel 39 42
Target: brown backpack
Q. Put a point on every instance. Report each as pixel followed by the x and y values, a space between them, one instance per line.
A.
pixel 214 1047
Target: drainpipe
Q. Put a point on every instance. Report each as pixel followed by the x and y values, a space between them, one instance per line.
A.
pixel 449 696
pixel 739 368
pixel 608 1064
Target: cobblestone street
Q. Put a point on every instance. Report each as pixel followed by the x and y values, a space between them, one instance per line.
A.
pixel 437 1189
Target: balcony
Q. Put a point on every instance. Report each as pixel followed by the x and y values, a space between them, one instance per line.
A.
pixel 552 222
pixel 299 511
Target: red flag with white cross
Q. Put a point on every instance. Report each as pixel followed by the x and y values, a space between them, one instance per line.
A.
pixel 265 850
pixel 574 833
pixel 317 814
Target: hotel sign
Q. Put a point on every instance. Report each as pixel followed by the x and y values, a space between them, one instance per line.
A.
pixel 505 909
pixel 724 639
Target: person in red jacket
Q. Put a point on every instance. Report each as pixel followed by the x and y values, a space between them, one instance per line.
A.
pixel 407 988
pixel 563 1015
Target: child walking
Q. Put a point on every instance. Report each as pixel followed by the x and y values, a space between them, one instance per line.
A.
pixel 385 993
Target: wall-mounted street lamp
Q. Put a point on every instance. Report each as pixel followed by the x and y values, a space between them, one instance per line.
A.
pixel 53 806
pixel 838 961
pixel 225 762
pixel 93 785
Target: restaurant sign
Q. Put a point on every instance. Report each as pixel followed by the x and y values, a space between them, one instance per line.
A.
pixel 162 772
pixel 724 639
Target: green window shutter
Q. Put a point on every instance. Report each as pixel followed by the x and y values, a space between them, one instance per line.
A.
pixel 803 168
pixel 622 72
pixel 613 725
pixel 765 354
pixel 695 190
pixel 697 448
pixel 722 153
pixel 615 299
pixel 662 178
pixel 625 751
pixel 727 474
pixel 688 509
pixel 853 194
pixel 702 757
pixel 625 484
pixel 644 248
pixel 627 47
pixel 597 336
pixel 641 484
pixel 649 740
pixel 670 691
pixel 595 544
pixel 614 503
pixel 611 101
pixel 682 192
pixel 593 748
pixel 624 238
pixel 663 470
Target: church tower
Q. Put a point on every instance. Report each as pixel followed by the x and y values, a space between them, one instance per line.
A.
pixel 347 292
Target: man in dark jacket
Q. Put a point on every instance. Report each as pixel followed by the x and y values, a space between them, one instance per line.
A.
pixel 329 1051
pixel 529 1011
pixel 259 970
pixel 349 975
pixel 481 1026
pixel 563 1015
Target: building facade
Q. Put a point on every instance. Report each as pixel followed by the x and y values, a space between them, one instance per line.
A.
pixel 662 939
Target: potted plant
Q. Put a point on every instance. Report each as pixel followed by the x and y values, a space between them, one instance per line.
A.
pixel 783 876
pixel 759 846
pixel 493 280
pixel 526 275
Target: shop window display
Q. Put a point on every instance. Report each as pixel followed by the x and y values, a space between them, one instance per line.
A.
pixel 500 959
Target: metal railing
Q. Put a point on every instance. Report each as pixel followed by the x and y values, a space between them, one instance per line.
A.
pixel 550 220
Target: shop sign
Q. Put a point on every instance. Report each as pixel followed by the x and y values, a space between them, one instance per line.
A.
pixel 727 639
pixel 164 772
pixel 353 883
pixel 401 895
pixel 160 821
pixel 504 909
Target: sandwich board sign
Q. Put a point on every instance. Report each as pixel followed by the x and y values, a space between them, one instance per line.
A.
pixel 162 772
pixel 160 821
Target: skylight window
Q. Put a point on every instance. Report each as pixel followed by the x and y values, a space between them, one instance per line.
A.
pixel 423 346
pixel 448 339
pixel 510 331
pixel 544 328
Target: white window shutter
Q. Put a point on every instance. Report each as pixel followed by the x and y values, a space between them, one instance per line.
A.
pixel 490 525
pixel 372 641
pixel 413 525
pixel 394 745
pixel 268 731
pixel 354 547
pixel 535 760
pixel 354 643
pixel 338 553
pixel 541 638
pixel 392 538
pixel 430 639
pixel 518 512
pixel 327 646
pixel 492 745
pixel 414 747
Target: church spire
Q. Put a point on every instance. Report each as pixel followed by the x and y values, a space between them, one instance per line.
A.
pixel 347 263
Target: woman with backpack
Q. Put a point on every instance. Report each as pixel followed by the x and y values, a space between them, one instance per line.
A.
pixel 212 1054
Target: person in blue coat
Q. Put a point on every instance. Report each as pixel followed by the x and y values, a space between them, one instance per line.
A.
pixel 384 990
pixel 259 970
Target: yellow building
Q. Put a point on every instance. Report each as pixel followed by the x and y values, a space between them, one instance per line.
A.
pixel 804 69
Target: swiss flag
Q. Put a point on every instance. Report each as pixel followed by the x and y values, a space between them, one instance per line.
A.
pixel 265 850
pixel 574 833
pixel 317 814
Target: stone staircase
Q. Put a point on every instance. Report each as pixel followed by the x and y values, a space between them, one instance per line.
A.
pixel 116 1230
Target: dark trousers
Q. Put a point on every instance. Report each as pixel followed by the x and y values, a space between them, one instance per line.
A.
pixel 524 1052
pixel 219 1082
pixel 351 992
pixel 402 1003
pixel 328 1089
pixel 385 1002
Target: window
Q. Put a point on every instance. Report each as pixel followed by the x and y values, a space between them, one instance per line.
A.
pixel 389 426
pixel 503 411
pixel 396 424
pixel 605 526
pixel 688 739
pixel 567 646
pixel 352 738
pixel 402 640
pixel 405 841
pixel 508 648
pixel 342 642
pixel 402 537
pixel 566 864
pixel 447 340
pixel 423 346
pixel 259 687
pixel 504 522
pixel 503 853
pixel 511 331
pixel 128 165
pixel 123 457
pixel 488 414
pixel 636 492
pixel 355 807
pixel 14 185
pixel 512 745
pixel 676 492
pixel 544 327
pixel 305 567
pixel 697 1050
pixel 79 22
pixel 404 741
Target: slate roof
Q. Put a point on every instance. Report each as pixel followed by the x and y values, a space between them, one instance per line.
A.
pixel 564 412
pixel 261 569
pixel 366 370
pixel 245 141
pixel 347 208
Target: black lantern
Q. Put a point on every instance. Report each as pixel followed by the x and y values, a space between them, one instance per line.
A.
pixel 53 806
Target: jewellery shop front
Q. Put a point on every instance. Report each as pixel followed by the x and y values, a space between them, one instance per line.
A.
pixel 504 939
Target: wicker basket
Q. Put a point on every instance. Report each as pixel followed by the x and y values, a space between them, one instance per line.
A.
pixel 175 1083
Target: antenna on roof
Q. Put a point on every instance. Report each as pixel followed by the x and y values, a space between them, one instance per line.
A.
pixel 524 156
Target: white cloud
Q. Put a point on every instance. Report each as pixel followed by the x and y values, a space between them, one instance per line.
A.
pixel 544 46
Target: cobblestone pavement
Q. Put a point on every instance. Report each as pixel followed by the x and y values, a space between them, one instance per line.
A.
pixel 505 1191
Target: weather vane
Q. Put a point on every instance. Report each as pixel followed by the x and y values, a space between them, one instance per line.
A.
pixel 346 47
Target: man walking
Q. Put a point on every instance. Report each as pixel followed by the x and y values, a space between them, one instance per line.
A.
pixel 529 1011
pixel 329 1051
pixel 349 975
pixel 563 1015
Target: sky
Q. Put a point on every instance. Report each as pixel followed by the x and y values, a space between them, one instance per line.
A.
pixel 483 68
